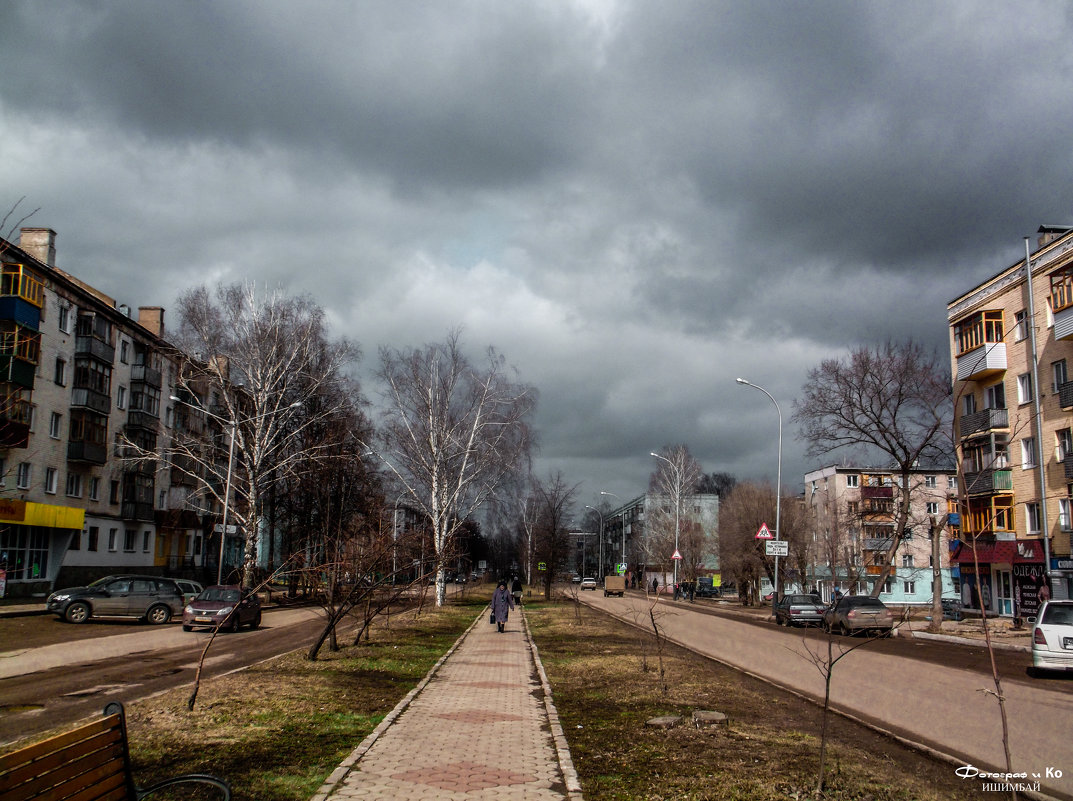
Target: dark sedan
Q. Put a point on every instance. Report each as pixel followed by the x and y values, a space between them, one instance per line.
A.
pixel 799 610
pixel 223 605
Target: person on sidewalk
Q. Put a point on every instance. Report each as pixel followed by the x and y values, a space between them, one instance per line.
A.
pixel 516 591
pixel 502 603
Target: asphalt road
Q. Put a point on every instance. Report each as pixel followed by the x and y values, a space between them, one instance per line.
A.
pixel 936 694
pixel 60 674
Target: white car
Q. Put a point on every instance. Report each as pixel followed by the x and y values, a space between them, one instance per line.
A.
pixel 1052 637
pixel 588 583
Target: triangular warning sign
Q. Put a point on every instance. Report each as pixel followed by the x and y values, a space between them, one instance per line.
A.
pixel 676 554
pixel 764 533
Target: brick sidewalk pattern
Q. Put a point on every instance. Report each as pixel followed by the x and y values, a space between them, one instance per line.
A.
pixel 480 726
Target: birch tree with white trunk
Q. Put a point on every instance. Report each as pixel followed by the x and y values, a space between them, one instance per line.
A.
pixel 453 432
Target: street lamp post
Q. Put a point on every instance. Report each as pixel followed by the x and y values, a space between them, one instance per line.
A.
pixel 600 567
pixel 778 483
pixel 233 425
pixel 677 508
pixel 622 535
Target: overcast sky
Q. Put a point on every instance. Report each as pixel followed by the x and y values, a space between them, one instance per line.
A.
pixel 635 202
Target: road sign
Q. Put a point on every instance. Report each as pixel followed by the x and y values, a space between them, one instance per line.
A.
pixel 621 568
pixel 676 554
pixel 230 529
pixel 542 566
pixel 777 548
pixel 764 533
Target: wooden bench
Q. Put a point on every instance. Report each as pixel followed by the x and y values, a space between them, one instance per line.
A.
pixel 90 763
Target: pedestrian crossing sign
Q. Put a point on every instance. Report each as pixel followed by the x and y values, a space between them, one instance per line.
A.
pixel 764 533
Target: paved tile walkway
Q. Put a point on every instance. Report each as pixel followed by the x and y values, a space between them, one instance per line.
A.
pixel 481 725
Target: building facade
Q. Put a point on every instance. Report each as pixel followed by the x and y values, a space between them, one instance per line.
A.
pixel 853 513
pixel 85 384
pixel 1011 340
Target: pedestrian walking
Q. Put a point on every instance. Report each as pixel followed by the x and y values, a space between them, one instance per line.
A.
pixel 516 591
pixel 502 603
pixel 655 585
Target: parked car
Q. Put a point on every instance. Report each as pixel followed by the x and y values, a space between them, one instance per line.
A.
pixel 225 605
pixel 153 598
pixel 575 578
pixel 802 610
pixel 1052 636
pixel 588 583
pixel 706 588
pixel 190 589
pixel 853 613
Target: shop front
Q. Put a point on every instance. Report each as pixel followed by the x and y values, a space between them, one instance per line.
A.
pixel 1005 577
pixel 33 540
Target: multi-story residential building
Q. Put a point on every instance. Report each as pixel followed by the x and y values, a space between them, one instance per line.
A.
pixel 627 538
pixel 84 384
pixel 1011 337
pixel 853 511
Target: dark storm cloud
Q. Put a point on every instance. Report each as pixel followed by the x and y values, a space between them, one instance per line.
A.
pixel 634 201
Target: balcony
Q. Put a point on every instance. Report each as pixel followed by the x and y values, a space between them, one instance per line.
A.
pixel 1067 463
pixel 89 452
pixel 1065 394
pixel 83 397
pixel 95 348
pixel 145 375
pixel 989 482
pixel 877 544
pixel 134 510
pixel 877 493
pixel 17 371
pixel 983 422
pixel 13 434
pixel 136 418
pixel 986 360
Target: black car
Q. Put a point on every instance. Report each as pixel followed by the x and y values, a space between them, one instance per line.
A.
pixel 155 599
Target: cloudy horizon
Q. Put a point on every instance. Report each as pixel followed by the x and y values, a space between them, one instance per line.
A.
pixel 634 202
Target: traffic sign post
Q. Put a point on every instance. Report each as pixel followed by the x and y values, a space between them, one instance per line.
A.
pixel 764 533
pixel 777 548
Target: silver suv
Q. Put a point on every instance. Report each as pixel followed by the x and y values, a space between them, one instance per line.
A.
pixel 153 598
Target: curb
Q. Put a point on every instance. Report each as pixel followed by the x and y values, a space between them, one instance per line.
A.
pixel 562 748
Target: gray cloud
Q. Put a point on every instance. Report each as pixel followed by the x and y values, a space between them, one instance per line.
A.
pixel 635 202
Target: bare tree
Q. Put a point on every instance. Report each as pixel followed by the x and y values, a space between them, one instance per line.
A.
pixel 453 432
pixel 264 375
pixel 894 398
pixel 673 483
pixel 552 502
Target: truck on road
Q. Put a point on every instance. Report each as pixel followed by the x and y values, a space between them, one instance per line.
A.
pixel 614 585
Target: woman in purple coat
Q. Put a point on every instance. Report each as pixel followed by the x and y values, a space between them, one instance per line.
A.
pixel 502 603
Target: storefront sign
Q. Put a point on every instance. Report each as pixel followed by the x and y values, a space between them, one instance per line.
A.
pixel 1029 589
pixel 13 510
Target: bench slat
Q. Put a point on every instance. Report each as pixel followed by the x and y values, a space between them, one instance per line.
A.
pixel 12 760
pixel 69 777
pixel 56 760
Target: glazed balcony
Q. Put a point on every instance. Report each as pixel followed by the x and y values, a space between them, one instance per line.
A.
pixel 95 348
pixel 983 421
pixel 89 452
pixel 877 493
pixel 83 397
pixel 989 482
pixel 1062 304
pixel 135 510
pixel 1065 394
pixel 140 373
pixel 1067 464
pixel 986 360
pixel 136 418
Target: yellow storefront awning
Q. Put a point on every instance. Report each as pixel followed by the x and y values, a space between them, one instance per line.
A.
pixel 27 513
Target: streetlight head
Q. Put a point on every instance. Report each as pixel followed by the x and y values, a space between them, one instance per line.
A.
pixel 741 380
pixel 653 453
pixel 172 397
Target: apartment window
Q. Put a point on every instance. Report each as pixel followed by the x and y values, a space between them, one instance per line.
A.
pixel 23 474
pixel 50 480
pixel 121 398
pixel 113 535
pixel 995 395
pixel 128 540
pixel 74 485
pixel 1032 518
pixel 909 587
pixel 76 542
pixel 94 534
pixel 1020 325
pixel 853 481
pixel 933 507
pixel 124 351
pixel 113 493
pixel 54 422
pixel 162 499
pixel 1065 507
pixel 1028 453
pixel 59 376
pixel 931 482
pixel 907 560
pixel 1063 445
pixel 3 472
pixel 65 319
pixel 888 586
pixel 968 404
pixel 952 482
pixel 1059 375
pixel 94 489
pixel 145 541
pixel 1024 388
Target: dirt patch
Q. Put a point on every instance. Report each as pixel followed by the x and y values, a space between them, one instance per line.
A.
pixel 606 680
